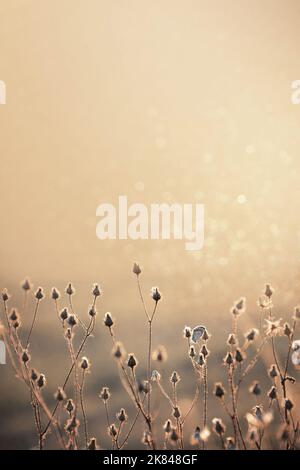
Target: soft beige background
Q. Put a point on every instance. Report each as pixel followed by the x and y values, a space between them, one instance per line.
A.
pixel 163 101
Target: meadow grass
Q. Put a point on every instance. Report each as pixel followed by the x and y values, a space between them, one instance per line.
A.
pixel 272 423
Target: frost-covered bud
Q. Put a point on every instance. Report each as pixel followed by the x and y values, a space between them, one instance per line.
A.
pixel 108 321
pixel 136 269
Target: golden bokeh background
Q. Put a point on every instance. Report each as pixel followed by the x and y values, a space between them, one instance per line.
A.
pixel 162 101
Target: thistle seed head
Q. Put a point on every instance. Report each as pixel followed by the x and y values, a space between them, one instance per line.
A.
pixel 219 390
pixel 251 334
pixel 26 284
pixel 118 350
pixel 272 393
pixel 70 406
pixel 156 296
pixel 108 321
pixel 105 394
pixel 155 377
pixel 255 388
pixel 64 314
pixel 176 412
pixel 269 291
pixel 5 295
pixel 60 394
pixel 70 289
pixel 288 404
pixel 55 294
pixel 136 269
pixel 239 356
pixel 167 427
pixel 85 364
pixel 92 312
pixel 122 416
pixel 175 378
pixel 92 444
pixel 218 426
pixel 273 371
pixel 72 321
pixel 41 381
pixel 132 361
pixel 204 351
pixel 96 291
pixel 187 332
pixel 228 359
pixel 39 295
pixel 160 354
pixel 25 356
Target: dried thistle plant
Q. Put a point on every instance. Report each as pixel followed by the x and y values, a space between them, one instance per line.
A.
pixel 272 410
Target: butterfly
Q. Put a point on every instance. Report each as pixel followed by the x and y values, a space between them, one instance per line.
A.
pixel 197 333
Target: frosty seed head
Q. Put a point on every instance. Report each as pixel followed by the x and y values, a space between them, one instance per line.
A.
pixel 155 377
pixel 251 334
pixel 255 388
pixel 218 426
pixel 85 364
pixel 122 416
pixel 219 390
pixel 55 294
pixel 175 378
pixel 176 412
pixel 201 360
pixel 105 394
pixel 64 314
pixel 269 291
pixel 205 335
pixel 112 430
pixel 14 315
pixel 239 356
pixel 96 291
pixel 228 359
pixel 231 340
pixel 60 394
pixel 72 321
pixel 70 289
pixel 192 352
pixel 26 285
pixel 174 436
pixel 230 443
pixel 273 371
pixel 41 381
pixel 92 444
pixel 70 406
pixel 39 295
pixel 167 427
pixel 25 356
pixel 34 375
pixel 5 295
pixel 288 404
pixel 136 269
pixel 92 312
pixel 204 351
pixel 144 387
pixel 160 354
pixel 187 332
pixel 132 361
pixel 272 393
pixel 156 296
pixel 118 350
pixel 287 330
pixel 108 321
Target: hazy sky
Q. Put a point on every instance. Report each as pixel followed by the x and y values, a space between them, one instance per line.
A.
pixel 162 101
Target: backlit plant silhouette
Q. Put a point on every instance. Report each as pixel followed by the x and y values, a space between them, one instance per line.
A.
pixel 68 419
